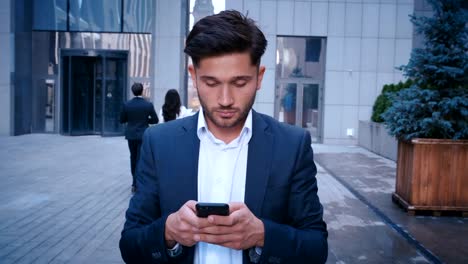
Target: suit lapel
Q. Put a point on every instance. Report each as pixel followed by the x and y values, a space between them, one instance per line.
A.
pixel 258 164
pixel 187 147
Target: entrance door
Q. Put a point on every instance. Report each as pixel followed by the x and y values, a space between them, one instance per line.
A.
pixel 93 92
pixel 114 96
pixel 298 102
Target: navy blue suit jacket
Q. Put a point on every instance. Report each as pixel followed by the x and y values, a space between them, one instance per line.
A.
pixel 281 190
pixel 138 114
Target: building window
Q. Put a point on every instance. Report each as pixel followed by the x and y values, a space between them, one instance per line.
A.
pixel 50 15
pixel 138 15
pixel 113 16
pixel 95 16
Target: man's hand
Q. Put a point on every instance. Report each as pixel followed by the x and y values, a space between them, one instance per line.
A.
pixel 183 225
pixel 240 230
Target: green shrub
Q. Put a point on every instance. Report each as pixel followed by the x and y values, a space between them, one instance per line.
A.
pixel 382 102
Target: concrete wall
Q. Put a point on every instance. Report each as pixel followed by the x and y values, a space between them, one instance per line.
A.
pixel 366 40
pixel 6 67
pixel 168 46
pixel 374 137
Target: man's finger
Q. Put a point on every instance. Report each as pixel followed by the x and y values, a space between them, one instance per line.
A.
pixel 197 222
pixel 221 220
pixel 219 239
pixel 216 230
pixel 191 204
pixel 234 206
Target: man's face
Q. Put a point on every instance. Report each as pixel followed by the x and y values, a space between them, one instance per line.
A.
pixel 226 87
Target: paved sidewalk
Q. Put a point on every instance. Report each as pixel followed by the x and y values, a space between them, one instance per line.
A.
pixel 372 179
pixel 64 199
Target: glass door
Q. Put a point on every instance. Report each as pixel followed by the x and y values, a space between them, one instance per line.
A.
pixel 113 95
pixel 298 102
pixel 300 73
pixel 93 92
pixel 310 110
pixel 81 95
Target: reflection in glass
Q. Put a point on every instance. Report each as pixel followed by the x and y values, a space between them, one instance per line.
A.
pixel 50 106
pixel 138 15
pixel 91 15
pixel 310 109
pixel 303 54
pixel 98 98
pixel 50 15
pixel 114 96
pixel 288 103
pixel 82 95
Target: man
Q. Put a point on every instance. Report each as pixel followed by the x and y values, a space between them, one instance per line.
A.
pixel 226 153
pixel 138 114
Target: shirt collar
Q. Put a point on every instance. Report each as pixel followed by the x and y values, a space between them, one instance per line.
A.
pixel 202 129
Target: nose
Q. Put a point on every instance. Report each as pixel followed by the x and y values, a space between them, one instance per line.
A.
pixel 225 97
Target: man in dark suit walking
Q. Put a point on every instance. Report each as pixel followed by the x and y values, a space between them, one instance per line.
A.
pixel 226 153
pixel 138 114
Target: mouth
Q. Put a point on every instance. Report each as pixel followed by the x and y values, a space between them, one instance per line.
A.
pixel 226 113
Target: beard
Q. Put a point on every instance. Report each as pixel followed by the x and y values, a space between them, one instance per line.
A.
pixel 238 119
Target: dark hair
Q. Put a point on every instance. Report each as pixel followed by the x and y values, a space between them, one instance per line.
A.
pixel 171 107
pixel 137 89
pixel 224 33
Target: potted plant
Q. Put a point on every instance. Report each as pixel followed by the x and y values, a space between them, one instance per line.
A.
pixel 430 119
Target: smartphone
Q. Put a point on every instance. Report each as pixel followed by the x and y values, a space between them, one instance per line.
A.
pixel 206 209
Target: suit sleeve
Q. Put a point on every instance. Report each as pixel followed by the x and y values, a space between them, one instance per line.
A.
pixel 142 239
pixel 123 115
pixel 304 239
pixel 153 117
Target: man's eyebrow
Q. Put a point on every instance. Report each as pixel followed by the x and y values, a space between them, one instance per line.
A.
pixel 208 78
pixel 233 79
pixel 242 78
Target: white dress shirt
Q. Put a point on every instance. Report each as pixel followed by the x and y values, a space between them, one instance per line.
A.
pixel 222 171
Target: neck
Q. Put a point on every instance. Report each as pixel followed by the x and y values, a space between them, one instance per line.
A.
pixel 226 134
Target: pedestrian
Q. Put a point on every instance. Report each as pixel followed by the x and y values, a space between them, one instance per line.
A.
pixel 138 114
pixel 172 108
pixel 226 153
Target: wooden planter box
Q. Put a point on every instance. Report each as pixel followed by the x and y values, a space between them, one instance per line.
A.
pixel 432 174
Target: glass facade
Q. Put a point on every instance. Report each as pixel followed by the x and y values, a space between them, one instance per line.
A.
pixel 138 15
pixel 132 16
pixel 88 15
pixel 50 15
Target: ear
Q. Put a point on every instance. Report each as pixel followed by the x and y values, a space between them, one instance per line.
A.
pixel 261 72
pixel 193 75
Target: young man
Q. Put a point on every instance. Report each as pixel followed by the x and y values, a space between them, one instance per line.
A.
pixel 226 153
pixel 138 114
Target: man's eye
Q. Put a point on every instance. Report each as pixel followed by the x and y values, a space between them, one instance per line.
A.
pixel 211 84
pixel 240 84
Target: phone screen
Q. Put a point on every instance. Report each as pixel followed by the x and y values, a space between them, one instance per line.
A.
pixel 206 209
